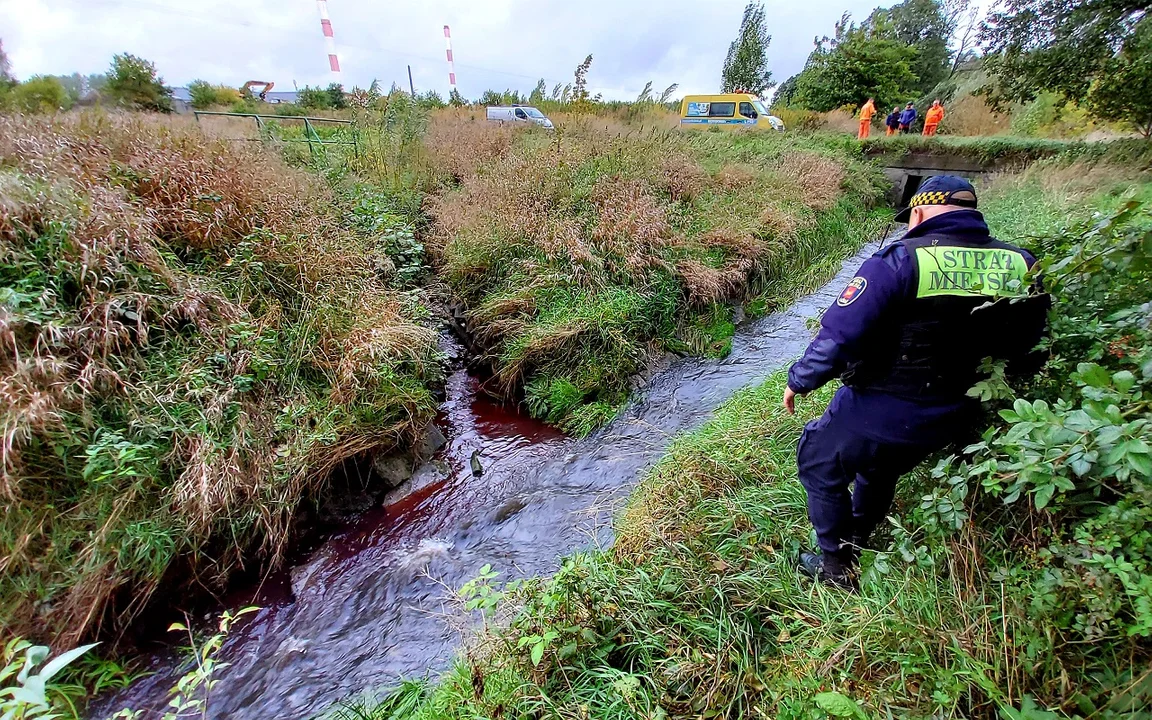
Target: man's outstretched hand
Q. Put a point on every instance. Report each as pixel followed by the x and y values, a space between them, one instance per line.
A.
pixel 790 400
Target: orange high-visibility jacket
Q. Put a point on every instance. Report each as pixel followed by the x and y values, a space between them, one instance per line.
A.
pixel 867 111
pixel 934 116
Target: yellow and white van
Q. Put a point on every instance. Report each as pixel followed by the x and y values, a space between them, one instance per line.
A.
pixel 730 110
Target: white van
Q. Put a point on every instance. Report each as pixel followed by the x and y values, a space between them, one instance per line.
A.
pixel 519 113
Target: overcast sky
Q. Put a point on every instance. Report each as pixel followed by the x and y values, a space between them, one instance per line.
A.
pixel 497 43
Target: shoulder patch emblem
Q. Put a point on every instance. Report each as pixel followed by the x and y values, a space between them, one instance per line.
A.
pixel 853 290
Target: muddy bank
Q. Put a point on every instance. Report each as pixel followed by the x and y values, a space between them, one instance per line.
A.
pixel 373 603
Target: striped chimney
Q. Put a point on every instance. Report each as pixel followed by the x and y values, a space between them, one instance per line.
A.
pixel 329 38
pixel 451 65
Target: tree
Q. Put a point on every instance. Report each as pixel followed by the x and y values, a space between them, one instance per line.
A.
pixel 580 87
pixel 746 66
pixel 537 95
pixel 491 97
pixel 313 98
pixel 336 98
pixel 927 26
pixel 786 92
pixel 645 94
pixel 858 63
pixel 39 94
pixel 455 99
pixel 1123 91
pixel 556 91
pixel 133 83
pixel 5 67
pixel 1061 46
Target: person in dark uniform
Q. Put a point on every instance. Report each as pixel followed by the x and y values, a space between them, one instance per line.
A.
pixel 907 337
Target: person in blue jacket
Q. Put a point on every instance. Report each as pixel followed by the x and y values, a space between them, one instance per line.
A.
pixel 907 118
pixel 907 336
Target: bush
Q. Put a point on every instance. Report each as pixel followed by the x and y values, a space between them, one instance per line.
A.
pixel 39 94
pixel 313 98
pixel 133 83
pixel 205 95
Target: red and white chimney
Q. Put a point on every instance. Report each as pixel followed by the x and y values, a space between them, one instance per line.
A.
pixel 451 65
pixel 329 38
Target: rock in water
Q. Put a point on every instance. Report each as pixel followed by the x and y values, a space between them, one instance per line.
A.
pixel 477 468
pixel 432 441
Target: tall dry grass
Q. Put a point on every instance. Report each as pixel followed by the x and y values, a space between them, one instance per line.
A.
pixel 582 250
pixel 190 339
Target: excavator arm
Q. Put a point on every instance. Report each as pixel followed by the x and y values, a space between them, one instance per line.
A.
pixel 263 94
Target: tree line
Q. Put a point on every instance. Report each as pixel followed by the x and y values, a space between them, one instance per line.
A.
pixel 1096 54
pixel 131 82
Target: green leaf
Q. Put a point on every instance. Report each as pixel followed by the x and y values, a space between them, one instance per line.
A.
pixel 62 660
pixel 537 654
pixel 838 705
pixel 1123 380
pixel 1093 375
pixel 1044 495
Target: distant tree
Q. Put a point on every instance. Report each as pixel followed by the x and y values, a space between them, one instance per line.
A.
pixel 336 98
pixel 537 95
pixel 5 67
pixel 580 86
pixel 556 89
pixel 313 98
pixel 203 94
pixel 746 66
pixel 1123 91
pixel 786 92
pixel 927 27
pixel 666 96
pixel 39 94
pixel 455 99
pixel 645 94
pixel 491 97
pixel 133 83
pixel 76 85
pixel 430 100
pixel 566 93
pixel 857 63
pixel 1061 46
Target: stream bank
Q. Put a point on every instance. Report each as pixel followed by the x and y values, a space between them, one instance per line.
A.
pixel 373 604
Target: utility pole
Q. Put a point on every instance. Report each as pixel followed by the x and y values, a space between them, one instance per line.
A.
pixel 411 87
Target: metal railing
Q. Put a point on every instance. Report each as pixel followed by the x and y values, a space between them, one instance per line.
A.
pixel 310 135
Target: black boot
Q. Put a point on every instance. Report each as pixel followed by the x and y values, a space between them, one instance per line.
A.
pixel 838 570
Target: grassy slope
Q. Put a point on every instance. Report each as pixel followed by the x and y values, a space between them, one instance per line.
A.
pixel 582 252
pixel 698 611
pixel 191 335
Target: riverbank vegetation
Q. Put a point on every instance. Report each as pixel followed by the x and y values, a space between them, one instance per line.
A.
pixel 191 335
pixel 1012 581
pixel 582 254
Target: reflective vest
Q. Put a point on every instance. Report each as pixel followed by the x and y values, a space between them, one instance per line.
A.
pixel 931 348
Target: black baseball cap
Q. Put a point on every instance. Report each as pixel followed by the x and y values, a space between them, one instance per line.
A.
pixel 940 190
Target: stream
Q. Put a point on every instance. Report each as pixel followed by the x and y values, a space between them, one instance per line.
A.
pixel 374 603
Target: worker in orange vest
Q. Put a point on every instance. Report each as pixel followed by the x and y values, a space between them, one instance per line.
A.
pixel 866 114
pixel 933 117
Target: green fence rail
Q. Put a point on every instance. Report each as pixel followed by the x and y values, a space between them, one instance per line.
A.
pixel 310 135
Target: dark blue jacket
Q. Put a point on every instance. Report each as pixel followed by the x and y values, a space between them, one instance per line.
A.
pixel 889 282
pixel 908 116
pixel 893 120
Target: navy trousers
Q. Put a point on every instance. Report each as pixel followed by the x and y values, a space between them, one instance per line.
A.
pixel 831 457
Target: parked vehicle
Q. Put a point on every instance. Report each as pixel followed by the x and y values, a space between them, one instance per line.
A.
pixel 727 110
pixel 519 113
